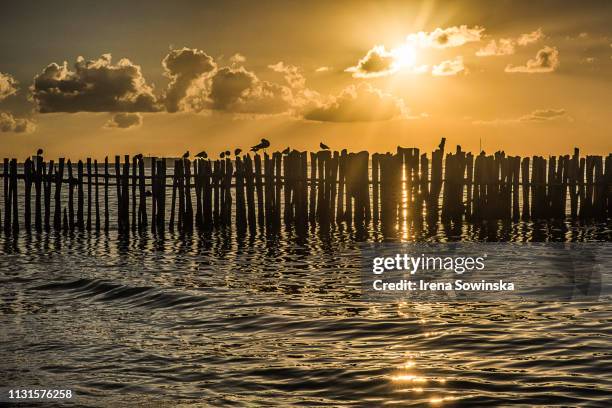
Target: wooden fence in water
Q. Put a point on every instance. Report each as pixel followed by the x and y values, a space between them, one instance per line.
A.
pixel 301 189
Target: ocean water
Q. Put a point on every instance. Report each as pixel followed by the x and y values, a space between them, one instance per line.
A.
pixel 279 320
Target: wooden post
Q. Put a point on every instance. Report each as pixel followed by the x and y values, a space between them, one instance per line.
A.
pixel 119 192
pixel 57 216
pixel 106 177
pixel 15 204
pixel 71 183
pixel 80 196
pixel 188 220
pixel 250 191
pixel 27 208
pixel 133 179
pixel 240 202
pixel 48 177
pixel 259 187
pixel 142 191
pixel 97 196
pixel 313 187
pixel 89 194
pixel 7 198
pixel 526 187
pixel 38 180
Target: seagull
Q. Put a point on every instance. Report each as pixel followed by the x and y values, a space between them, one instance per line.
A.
pixel 138 156
pixel 202 155
pixel 323 146
pixel 222 154
pixel 39 152
pixel 186 154
pixel 287 150
pixel 228 153
pixel 237 151
pixel 262 145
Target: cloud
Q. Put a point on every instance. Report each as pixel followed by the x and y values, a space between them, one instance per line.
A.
pixel 538 115
pixel 546 60
pixel 529 38
pixel 237 58
pixel 322 69
pixel 9 123
pixel 449 67
pixel 361 103
pixel 183 66
pixel 124 120
pixel 446 37
pixel 507 46
pixel 93 86
pixel 376 63
pixel 541 115
pixel 293 76
pixel 8 86
pixel 503 46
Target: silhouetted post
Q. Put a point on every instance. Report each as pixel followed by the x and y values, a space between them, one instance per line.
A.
pixel 38 180
pixel 161 195
pixel 436 181
pixel 250 192
pixel 216 175
pixel 80 196
pixel 27 178
pixel 180 175
pixel 118 188
pixel 97 196
pixel 333 186
pixel 125 193
pixel 155 192
pixel 133 180
pixel 289 181
pixel 526 187
pixel 259 188
pixel 375 188
pixel 15 203
pixel 88 222
pixel 106 177
pixel 142 191
pixel 7 198
pixel 229 172
pixel 48 178
pixel 322 207
pixel 240 202
pixel 207 195
pixel 57 216
pixel 173 199
pixel 197 181
pixel 469 182
pixel 313 188
pixel 71 183
pixel 340 216
pixel 188 220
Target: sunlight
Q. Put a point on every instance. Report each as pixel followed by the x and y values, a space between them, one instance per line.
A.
pixel 404 56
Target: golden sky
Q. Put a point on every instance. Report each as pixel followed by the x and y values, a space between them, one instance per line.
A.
pixel 160 78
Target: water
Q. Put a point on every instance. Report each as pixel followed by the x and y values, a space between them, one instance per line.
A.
pixel 227 320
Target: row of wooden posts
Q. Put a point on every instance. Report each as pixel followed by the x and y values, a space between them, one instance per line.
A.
pixel 330 188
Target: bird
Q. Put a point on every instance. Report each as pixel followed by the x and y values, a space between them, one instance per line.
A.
pixel 39 152
pixel 202 155
pixel 186 154
pixel 287 150
pixel 262 145
pixel 138 156
pixel 237 151
pixel 323 146
pixel 222 155
pixel 228 153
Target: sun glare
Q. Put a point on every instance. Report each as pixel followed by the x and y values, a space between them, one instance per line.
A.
pixel 404 56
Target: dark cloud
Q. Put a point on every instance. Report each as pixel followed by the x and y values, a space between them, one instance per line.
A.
pixel 9 123
pixel 377 62
pixel 455 36
pixel 183 67
pixel 124 120
pixel 546 60
pixel 93 86
pixel 8 86
pixel 361 103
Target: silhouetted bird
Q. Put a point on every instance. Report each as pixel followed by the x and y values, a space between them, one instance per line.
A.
pixel 222 155
pixel 138 156
pixel 202 155
pixel 39 152
pixel 186 154
pixel 264 144
pixel 237 151
pixel 287 150
pixel 228 153
pixel 323 146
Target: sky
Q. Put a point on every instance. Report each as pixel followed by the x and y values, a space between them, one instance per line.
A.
pixel 83 79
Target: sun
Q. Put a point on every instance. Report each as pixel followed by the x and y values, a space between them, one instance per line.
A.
pixel 404 56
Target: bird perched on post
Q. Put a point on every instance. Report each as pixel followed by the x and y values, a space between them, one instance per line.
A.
pixel 237 151
pixel 186 154
pixel 138 156
pixel 202 155
pixel 222 155
pixel 228 153
pixel 264 144
pixel 287 150
pixel 39 152
pixel 323 146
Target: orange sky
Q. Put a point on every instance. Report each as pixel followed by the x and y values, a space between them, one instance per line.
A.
pixel 160 80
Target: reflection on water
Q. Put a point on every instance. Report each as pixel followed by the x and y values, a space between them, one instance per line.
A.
pixel 277 319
